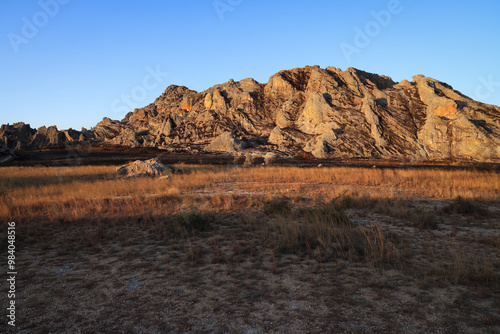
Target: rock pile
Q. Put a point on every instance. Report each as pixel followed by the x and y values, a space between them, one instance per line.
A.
pixel 148 168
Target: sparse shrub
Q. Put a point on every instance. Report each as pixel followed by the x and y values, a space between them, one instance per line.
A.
pixel 424 220
pixel 465 207
pixel 331 213
pixel 327 231
pixel 166 198
pixel 194 253
pixel 467 268
pixel 187 223
pixel 490 240
pixel 346 201
pixel 92 232
pixel 309 228
pixel 386 206
pixel 375 248
pixel 277 207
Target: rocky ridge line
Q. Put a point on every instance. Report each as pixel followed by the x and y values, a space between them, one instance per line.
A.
pixel 328 113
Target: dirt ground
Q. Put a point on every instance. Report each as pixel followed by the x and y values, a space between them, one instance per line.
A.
pixel 226 281
pixel 122 276
pixel 112 155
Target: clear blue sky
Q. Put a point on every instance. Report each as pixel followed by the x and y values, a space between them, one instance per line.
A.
pixel 86 55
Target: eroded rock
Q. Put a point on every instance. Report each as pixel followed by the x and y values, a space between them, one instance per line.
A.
pixel 226 143
pixel 148 168
pixel 329 112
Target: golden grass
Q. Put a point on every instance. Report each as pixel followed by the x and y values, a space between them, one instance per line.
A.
pixel 74 192
pixel 428 183
pixel 225 230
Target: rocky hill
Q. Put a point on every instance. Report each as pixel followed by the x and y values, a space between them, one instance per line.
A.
pixel 328 113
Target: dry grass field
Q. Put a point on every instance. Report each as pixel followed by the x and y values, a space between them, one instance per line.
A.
pixel 254 250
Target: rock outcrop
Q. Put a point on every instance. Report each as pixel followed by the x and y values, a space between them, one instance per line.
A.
pixel 20 136
pixel 328 113
pixel 225 143
pixel 16 136
pixel 6 154
pixel 148 168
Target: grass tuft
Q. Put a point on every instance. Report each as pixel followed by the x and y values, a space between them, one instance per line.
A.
pixel 424 220
pixel 466 207
pixel 277 207
pixel 186 224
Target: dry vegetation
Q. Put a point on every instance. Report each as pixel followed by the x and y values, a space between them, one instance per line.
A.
pixel 231 249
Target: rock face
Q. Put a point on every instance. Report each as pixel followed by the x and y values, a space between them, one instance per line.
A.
pixel 6 154
pixel 225 143
pixel 16 136
pixel 328 113
pixel 21 136
pixel 151 168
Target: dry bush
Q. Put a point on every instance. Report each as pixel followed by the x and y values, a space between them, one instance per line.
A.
pixel 461 266
pixel 378 248
pixel 277 207
pixel 466 207
pixel 424 220
pixel 326 230
pixel 183 225
pixel 491 241
pixel 306 228
pixel 386 206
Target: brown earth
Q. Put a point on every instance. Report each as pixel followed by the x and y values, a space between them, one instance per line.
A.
pixel 97 253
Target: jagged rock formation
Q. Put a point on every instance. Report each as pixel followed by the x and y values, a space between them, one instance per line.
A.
pixel 20 136
pixel 16 136
pixel 329 113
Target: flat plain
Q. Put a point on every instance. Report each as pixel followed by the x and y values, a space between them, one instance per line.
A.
pixel 257 249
